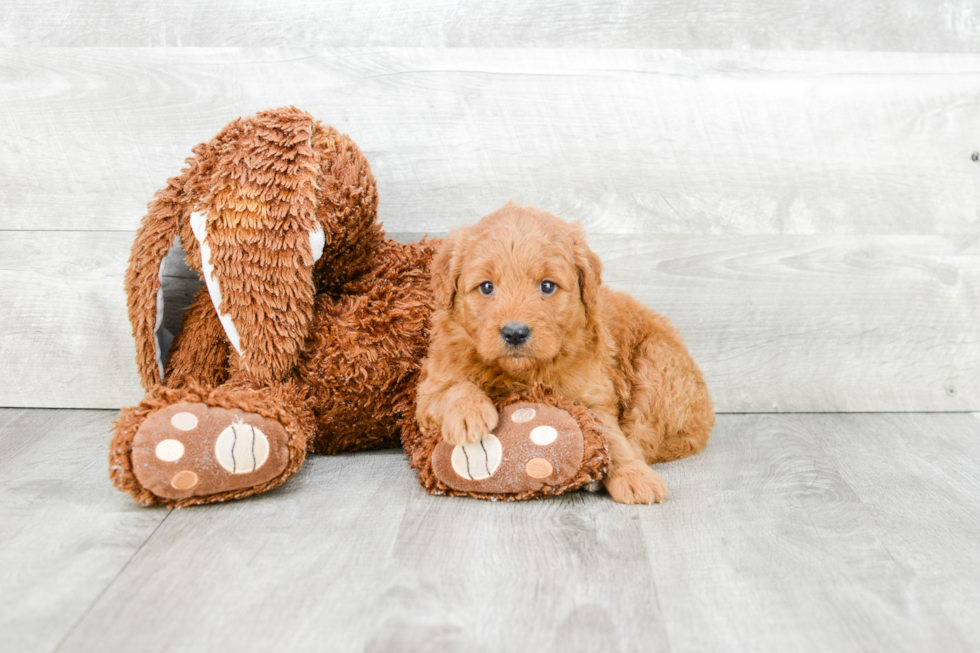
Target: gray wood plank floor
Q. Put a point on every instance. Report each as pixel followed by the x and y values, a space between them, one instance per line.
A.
pixel 788 533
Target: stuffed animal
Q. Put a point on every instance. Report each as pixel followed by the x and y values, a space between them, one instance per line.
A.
pixel 308 336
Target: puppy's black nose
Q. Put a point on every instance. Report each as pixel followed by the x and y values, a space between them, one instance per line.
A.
pixel 515 333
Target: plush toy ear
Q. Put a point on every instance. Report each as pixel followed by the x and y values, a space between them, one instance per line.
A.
pixel 589 268
pixel 144 283
pixel 259 239
pixel 445 272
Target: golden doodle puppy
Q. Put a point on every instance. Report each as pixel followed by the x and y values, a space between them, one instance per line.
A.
pixel 519 301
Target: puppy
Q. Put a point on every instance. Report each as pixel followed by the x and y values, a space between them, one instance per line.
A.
pixel 519 301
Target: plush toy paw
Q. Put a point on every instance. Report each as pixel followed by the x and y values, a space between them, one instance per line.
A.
pixel 542 445
pixel 192 449
pixel 194 445
pixel 532 446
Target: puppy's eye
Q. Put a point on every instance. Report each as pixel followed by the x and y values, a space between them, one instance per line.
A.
pixel 486 288
pixel 548 287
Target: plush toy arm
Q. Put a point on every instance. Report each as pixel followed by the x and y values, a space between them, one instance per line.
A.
pixel 200 351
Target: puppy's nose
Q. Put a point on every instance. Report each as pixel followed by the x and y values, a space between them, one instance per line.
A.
pixel 515 333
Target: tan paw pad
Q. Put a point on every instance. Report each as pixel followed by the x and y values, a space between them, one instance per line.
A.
pixel 169 450
pixel 184 421
pixel 538 468
pixel 241 448
pixel 184 480
pixel 476 461
pixel 522 415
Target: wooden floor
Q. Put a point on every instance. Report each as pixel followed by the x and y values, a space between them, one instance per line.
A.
pixel 797 532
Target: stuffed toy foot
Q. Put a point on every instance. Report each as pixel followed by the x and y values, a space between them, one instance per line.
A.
pixel 542 445
pixel 187 447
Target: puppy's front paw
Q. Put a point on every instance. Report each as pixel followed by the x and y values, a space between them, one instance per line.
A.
pixel 468 420
pixel 635 483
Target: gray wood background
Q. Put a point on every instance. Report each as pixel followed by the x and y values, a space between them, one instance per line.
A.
pixel 793 185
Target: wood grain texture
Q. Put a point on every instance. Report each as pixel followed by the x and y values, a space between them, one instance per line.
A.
pixel 788 532
pixel 628 141
pixel 67 342
pixel 777 323
pixel 65 532
pixel 816 323
pixel 829 532
pixel 905 25
pixel 922 504
pixel 300 568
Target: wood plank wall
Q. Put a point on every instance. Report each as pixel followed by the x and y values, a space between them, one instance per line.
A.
pixel 795 187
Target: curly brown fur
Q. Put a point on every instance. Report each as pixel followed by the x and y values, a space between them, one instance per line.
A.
pixel 365 350
pixel 261 209
pixel 200 352
pixel 347 207
pixel 592 344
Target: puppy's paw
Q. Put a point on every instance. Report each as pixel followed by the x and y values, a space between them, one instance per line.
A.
pixel 635 483
pixel 469 420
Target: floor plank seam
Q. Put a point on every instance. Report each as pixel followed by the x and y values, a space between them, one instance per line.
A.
pixel 105 589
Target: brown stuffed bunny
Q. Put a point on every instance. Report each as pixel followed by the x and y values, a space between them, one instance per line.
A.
pixel 308 336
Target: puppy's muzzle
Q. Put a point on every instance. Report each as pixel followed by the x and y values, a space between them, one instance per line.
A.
pixel 515 333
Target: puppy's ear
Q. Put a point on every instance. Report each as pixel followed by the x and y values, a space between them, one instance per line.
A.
pixel 589 270
pixel 445 272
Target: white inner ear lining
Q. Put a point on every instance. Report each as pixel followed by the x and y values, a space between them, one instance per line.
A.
pixel 199 221
pixel 199 225
pixel 158 325
pixel 318 241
